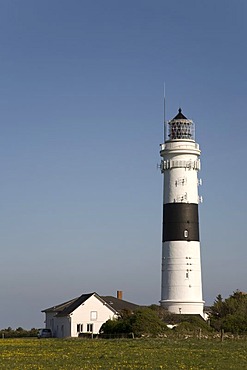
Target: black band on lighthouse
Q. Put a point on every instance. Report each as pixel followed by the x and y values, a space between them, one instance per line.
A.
pixel 180 222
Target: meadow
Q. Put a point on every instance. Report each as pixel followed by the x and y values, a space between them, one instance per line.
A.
pixel 165 353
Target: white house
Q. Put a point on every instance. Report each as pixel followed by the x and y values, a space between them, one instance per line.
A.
pixel 84 314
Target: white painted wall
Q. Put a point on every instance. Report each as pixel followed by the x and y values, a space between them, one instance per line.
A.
pixel 83 315
pixel 181 164
pixel 181 277
pixel 63 327
pixel 92 311
pixel 50 322
pixel 181 290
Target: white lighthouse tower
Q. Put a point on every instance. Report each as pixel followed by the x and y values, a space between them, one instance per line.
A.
pixel 181 287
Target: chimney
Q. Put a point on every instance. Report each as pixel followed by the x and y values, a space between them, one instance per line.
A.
pixel 119 294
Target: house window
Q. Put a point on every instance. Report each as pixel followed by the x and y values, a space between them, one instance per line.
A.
pixel 90 328
pixel 93 315
pixel 79 328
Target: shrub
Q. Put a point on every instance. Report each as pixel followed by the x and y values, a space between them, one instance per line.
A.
pixel 143 321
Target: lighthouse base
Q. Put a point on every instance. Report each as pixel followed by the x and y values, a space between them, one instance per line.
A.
pixel 185 308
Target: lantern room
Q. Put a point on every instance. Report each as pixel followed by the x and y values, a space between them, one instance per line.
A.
pixel 180 128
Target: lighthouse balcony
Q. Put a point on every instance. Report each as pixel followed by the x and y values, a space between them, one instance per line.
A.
pixel 190 165
pixel 179 144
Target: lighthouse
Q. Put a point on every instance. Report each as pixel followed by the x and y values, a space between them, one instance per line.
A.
pixel 181 285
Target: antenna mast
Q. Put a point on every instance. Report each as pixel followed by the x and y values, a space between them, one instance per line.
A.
pixel 164 112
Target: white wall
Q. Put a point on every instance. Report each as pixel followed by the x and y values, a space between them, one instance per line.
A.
pixel 50 321
pixel 63 327
pixel 181 165
pixel 92 311
pixel 60 326
pixel 83 315
pixel 181 274
pixel 181 290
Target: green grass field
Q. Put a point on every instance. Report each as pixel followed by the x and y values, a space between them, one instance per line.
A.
pixel 165 353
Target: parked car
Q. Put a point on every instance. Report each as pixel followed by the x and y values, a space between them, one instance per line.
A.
pixel 44 333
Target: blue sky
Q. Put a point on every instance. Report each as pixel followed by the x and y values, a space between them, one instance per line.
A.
pixel 81 120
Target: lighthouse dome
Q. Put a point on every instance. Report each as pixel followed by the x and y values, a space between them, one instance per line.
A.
pixel 180 115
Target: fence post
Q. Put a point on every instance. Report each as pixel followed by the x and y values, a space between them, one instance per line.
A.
pixel 200 333
pixel 222 335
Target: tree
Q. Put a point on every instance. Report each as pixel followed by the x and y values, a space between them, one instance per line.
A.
pixel 18 333
pixel 230 314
